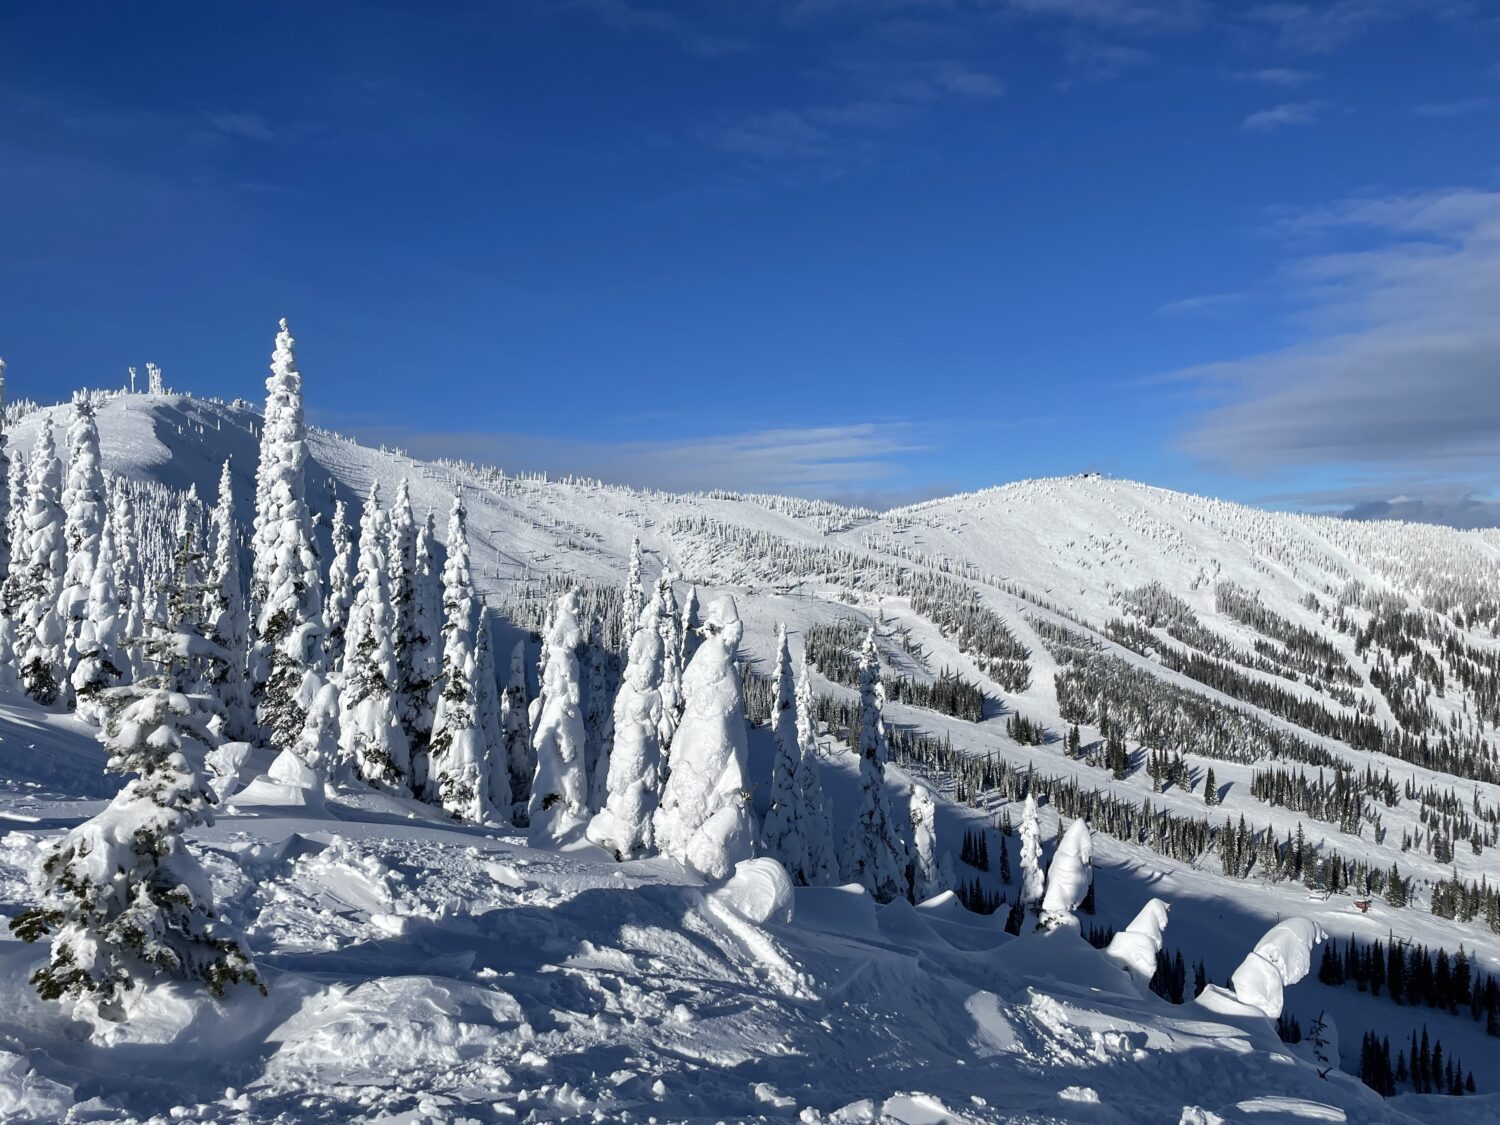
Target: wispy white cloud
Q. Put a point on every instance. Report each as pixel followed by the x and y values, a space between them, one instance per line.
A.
pixel 866 459
pixel 1280 116
pixel 1285 77
pixel 1460 108
pixel 1203 304
pixel 1399 366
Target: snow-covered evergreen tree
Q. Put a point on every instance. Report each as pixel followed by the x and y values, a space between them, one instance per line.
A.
pixel 668 627
pixel 130 583
pixel 189 660
pixel 122 898
pixel 817 823
pixel 598 713
pixel 704 820
pixel 782 836
pixel 286 583
pixel 39 646
pixel 86 509
pixel 516 734
pixel 424 644
pixel 318 744
pixel 401 561
pixel 624 825
pixel 559 792
pixel 460 777
pixel 874 853
pixel 371 734
pixel 1068 878
pixel 688 628
pixel 5 498
pixel 100 665
pixel 227 619
pixel 633 597
pixel 488 714
pixel 1032 883
pixel 340 589
pixel 930 875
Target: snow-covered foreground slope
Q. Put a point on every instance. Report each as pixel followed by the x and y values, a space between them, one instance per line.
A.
pixel 419 970
pixel 615 976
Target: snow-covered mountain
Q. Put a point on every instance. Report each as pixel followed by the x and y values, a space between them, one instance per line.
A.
pixel 1121 646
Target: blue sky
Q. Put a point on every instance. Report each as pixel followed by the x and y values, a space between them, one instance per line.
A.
pixel 870 250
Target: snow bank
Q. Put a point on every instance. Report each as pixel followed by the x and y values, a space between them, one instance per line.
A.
pixel 759 891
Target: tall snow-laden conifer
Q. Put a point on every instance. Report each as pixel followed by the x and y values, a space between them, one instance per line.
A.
pixel 286 583
pixel 672 665
pixel 598 713
pixel 633 597
pixel 1032 883
pixel 100 665
pixel 560 790
pixel 130 584
pixel 188 659
pixel 704 820
pixel 624 825
pixel 401 562
pixel 39 646
pixel 817 824
pixel 340 589
pixel 929 874
pixel 228 620
pixel 5 497
pixel 516 733
pixel 782 836
pixel 424 645
pixel 874 853
pixel 371 735
pixel 86 510
pixel 459 778
pixel 488 712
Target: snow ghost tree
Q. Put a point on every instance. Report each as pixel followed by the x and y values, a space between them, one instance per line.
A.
pixel 1032 883
pixel 560 790
pixel 782 836
pixel 1069 877
pixel 100 665
pixel 1281 958
pixel 318 744
pixel 516 732
pixel 286 584
pixel 130 583
pixel 424 644
pixel 401 566
pixel 122 898
pixel 634 599
pixel 874 853
pixel 487 697
pixel 228 620
pixel 598 712
pixel 39 647
pixel 340 589
pixel 667 626
pixel 4 488
pixel 817 825
pixel 704 819
pixel 86 510
pixel 1135 947
pixel 372 737
pixel 623 826
pixel 929 876
pixel 460 776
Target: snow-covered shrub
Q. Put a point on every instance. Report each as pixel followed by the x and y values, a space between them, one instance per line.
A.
pixel 1282 957
pixel 1069 877
pixel 1135 947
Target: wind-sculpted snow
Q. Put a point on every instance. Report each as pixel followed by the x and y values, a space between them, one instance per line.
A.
pixel 423 970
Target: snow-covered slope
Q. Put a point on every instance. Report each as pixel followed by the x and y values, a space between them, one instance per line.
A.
pixel 416 959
